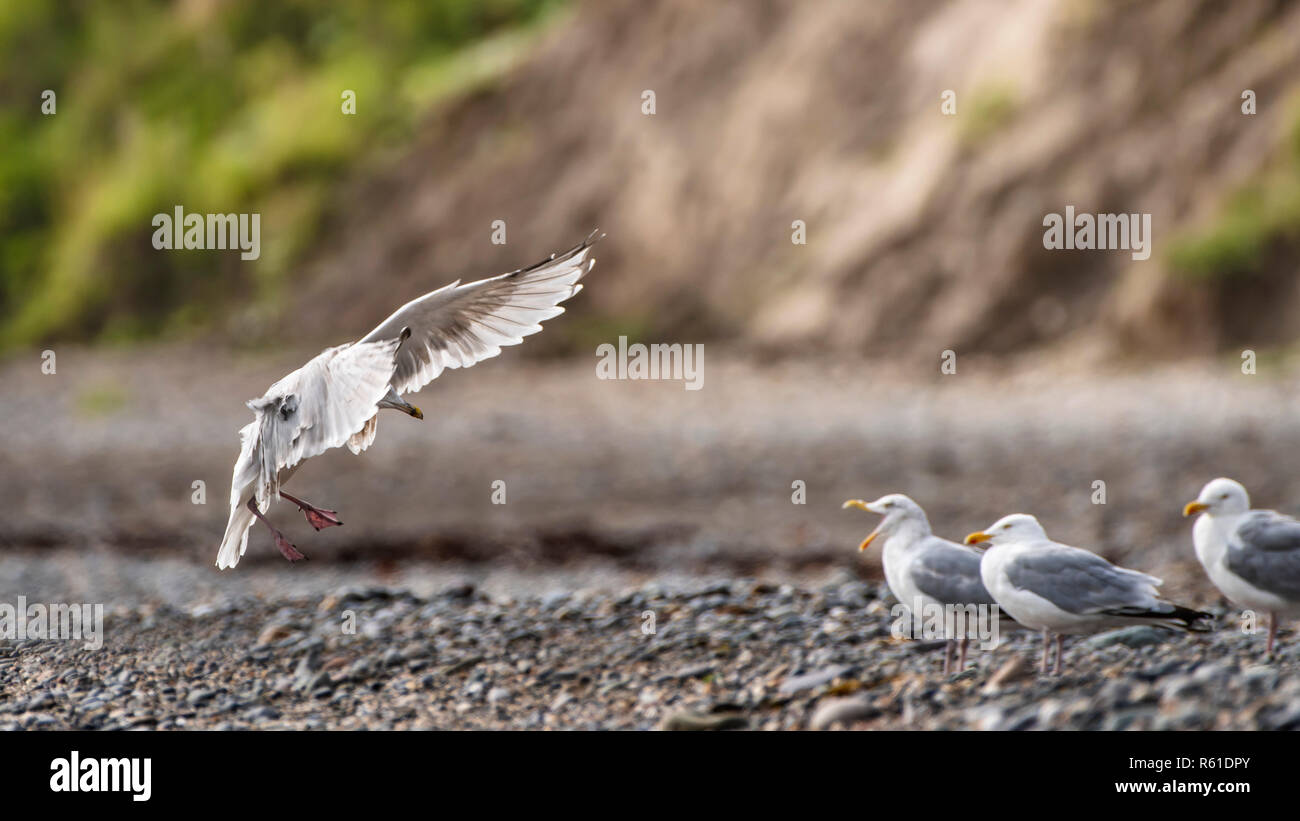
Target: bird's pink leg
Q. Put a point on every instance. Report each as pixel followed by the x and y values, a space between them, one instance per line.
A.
pixel 1060 640
pixel 317 517
pixel 286 548
pixel 961 664
pixel 1272 633
pixel 947 657
pixel 1047 643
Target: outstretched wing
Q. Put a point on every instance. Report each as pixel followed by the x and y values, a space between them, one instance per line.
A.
pixel 318 407
pixel 459 325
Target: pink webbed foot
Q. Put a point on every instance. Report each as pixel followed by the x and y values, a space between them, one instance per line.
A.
pixel 287 549
pixel 317 517
pixel 321 519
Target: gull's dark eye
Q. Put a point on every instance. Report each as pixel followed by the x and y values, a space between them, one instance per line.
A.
pixel 1224 496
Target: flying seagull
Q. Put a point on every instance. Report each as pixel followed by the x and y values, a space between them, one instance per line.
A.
pixel 920 566
pixel 335 398
pixel 1061 589
pixel 1253 556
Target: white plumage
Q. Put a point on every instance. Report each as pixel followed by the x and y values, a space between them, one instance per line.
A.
pixel 1252 556
pixel 335 398
pixel 1057 588
pixel 922 568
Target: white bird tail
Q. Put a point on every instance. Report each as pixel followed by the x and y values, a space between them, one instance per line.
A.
pixel 236 539
pixel 241 518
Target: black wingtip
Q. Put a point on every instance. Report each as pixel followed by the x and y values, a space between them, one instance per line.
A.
pixel 1197 621
pixel 1194 621
pixel 591 240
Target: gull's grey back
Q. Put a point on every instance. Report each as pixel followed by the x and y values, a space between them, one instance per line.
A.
pixel 949 572
pixel 1078 581
pixel 1264 549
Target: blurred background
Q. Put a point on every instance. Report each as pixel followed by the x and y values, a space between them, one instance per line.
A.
pixel 924 235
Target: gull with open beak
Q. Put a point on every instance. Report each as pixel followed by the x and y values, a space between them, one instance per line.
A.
pixel 920 566
pixel 1252 556
pixel 335 398
pixel 1060 589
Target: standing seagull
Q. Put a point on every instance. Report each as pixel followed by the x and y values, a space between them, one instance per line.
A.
pixel 920 566
pixel 1253 556
pixel 1061 589
pixel 335 398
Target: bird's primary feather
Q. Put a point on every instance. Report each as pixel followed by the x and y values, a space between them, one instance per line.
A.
pixel 459 325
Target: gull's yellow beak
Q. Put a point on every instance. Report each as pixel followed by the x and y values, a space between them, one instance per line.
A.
pixel 861 505
pixel 416 412
pixel 977 537
pixel 1194 507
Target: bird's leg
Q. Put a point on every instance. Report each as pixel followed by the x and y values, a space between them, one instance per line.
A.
pixel 1047 642
pixel 317 517
pixel 961 664
pixel 1060 640
pixel 1272 633
pixel 947 656
pixel 286 548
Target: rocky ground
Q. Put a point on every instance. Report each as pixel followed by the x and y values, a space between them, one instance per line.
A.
pixel 727 654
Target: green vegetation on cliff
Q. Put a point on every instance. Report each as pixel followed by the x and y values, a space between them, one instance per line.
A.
pixel 220 107
pixel 1259 216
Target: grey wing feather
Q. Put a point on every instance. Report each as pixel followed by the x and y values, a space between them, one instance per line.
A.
pixel 950 573
pixel 317 407
pixel 459 325
pixel 1080 582
pixel 1265 551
